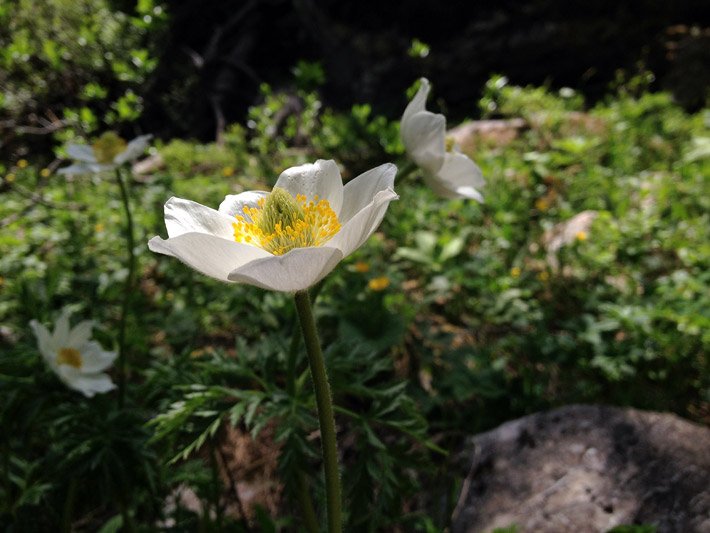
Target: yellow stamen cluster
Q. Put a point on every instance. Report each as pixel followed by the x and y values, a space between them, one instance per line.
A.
pixel 449 144
pixel 279 223
pixel 69 356
pixel 107 147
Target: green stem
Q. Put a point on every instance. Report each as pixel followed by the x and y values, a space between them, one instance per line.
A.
pixel 69 507
pixel 128 523
pixel 127 289
pixel 406 169
pixel 304 499
pixel 324 402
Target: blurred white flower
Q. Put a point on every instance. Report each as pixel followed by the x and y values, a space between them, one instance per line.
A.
pixel 286 240
pixel 447 171
pixel 108 152
pixel 77 360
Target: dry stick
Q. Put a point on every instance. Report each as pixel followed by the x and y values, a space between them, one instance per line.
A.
pixel 235 489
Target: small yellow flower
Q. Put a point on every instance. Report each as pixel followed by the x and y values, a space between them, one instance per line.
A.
pixel 515 272
pixel 45 172
pixel 379 284
pixel 10 178
pixel 581 235
pixel 541 204
pixel 22 163
pixel 543 276
pixel 99 228
pixel 227 171
pixel 361 267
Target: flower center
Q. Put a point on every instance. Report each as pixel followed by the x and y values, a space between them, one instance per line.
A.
pixel 107 147
pixel 281 223
pixel 69 356
pixel 449 144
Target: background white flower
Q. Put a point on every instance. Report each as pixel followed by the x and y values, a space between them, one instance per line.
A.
pixel 108 152
pixel 447 171
pixel 74 357
pixel 276 241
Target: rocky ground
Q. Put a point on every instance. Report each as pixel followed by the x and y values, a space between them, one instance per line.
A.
pixel 587 469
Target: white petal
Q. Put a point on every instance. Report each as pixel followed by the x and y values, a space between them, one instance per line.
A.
pixel 134 149
pixel 95 359
pixel 211 255
pixel 186 216
pixel 423 136
pixel 360 226
pixel 321 178
pixel 81 152
pixel 85 168
pixel 459 177
pixel 60 337
pixel 359 192
pixel 423 132
pixel 295 271
pixel 44 341
pixel 234 204
pixel 87 384
pixel 418 103
pixel 80 334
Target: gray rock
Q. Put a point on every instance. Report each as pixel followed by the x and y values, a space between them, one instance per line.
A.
pixel 587 469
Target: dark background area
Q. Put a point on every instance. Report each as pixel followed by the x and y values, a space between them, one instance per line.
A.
pixel 216 53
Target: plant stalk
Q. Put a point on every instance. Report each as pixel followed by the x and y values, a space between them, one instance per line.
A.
pixel 127 289
pixel 324 402
pixel 405 170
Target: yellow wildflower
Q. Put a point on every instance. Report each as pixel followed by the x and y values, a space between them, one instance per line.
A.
pixel 515 272
pixel 361 267
pixel 22 163
pixel 379 284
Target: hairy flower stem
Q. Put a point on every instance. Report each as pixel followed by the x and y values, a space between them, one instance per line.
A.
pixel 127 289
pixel 324 402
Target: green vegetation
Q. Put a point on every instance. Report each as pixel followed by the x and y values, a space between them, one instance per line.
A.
pixel 583 278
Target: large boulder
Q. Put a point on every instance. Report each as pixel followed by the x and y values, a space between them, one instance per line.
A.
pixel 587 469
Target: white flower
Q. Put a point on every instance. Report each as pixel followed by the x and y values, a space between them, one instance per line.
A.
pixel 108 152
pixel 286 240
pixel 447 171
pixel 74 357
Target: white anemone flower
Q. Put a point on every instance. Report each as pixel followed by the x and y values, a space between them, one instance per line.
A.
pixel 108 152
pixel 447 171
pixel 72 355
pixel 286 240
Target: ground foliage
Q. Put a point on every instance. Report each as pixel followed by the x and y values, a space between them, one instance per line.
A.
pixel 453 318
